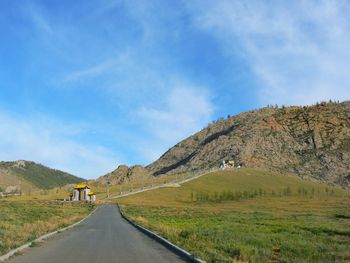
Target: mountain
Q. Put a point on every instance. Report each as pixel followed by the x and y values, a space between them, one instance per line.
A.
pixel 123 174
pixel 26 176
pixel 309 141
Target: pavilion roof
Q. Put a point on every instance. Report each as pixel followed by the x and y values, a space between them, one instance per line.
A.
pixel 81 186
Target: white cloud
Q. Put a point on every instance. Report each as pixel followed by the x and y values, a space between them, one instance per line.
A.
pixel 92 71
pixel 107 66
pixel 297 49
pixel 185 110
pixel 51 144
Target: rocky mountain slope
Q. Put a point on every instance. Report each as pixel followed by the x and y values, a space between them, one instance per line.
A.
pixel 26 176
pixel 310 141
pixel 123 174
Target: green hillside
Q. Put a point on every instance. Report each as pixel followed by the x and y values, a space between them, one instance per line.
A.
pixel 251 216
pixel 36 175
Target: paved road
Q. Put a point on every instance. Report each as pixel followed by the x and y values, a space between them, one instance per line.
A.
pixel 104 237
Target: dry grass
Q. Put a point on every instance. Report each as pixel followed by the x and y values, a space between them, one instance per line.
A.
pixel 137 184
pixel 23 221
pixel 39 195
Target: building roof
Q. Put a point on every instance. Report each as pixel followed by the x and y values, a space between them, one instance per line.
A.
pixel 81 186
pixel 91 193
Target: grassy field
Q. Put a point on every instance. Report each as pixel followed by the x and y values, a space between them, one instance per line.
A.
pixel 137 184
pixel 58 194
pixel 249 216
pixel 23 221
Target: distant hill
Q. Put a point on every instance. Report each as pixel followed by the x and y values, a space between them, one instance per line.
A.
pixel 25 176
pixel 123 174
pixel 310 141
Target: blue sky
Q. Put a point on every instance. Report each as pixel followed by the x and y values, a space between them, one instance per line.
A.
pixel 87 85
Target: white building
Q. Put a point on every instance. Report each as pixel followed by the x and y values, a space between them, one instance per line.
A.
pixel 228 164
pixel 81 192
pixel 92 196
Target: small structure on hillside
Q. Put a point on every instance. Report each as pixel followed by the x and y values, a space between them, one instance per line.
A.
pixel 81 193
pixel 229 165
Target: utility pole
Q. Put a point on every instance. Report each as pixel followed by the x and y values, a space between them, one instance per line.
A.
pixel 108 182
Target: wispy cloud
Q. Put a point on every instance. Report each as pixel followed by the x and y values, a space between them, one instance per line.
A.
pixel 110 65
pixel 297 49
pixel 93 71
pixel 184 111
pixel 38 18
pixel 53 144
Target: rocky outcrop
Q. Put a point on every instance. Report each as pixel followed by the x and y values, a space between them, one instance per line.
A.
pixel 311 141
pixel 124 174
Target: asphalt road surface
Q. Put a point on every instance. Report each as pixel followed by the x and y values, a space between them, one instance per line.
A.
pixel 104 237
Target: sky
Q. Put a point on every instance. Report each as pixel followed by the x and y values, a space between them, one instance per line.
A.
pixel 87 85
